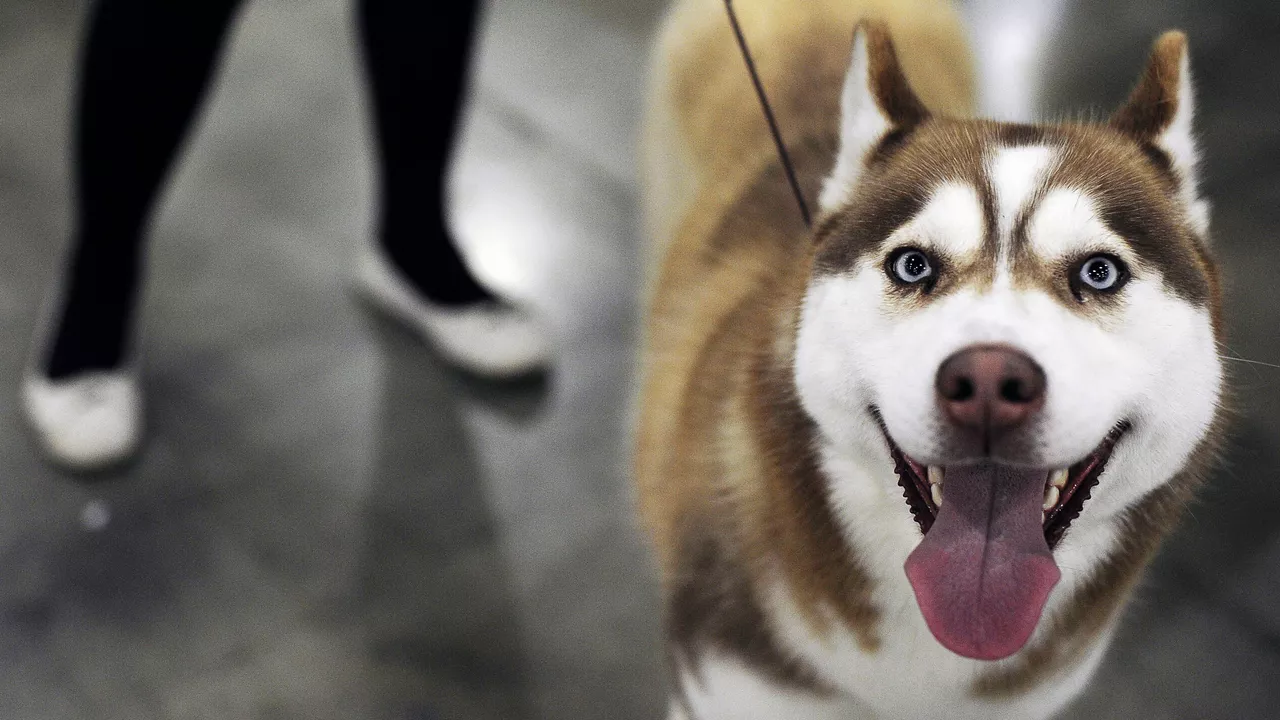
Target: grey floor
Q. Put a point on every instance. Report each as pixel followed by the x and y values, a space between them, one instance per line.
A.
pixel 327 523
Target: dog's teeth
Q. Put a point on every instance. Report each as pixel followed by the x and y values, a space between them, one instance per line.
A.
pixel 1050 497
pixel 1058 478
pixel 935 475
pixel 936 492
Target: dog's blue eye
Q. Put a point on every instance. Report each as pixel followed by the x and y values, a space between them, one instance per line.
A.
pixel 1100 273
pixel 912 266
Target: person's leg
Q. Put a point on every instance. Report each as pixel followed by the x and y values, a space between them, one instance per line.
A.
pixel 144 68
pixel 417 56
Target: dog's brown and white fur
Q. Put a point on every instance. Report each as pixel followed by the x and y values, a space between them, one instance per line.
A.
pixel 784 368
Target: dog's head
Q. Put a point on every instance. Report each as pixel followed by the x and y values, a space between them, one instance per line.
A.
pixel 1022 319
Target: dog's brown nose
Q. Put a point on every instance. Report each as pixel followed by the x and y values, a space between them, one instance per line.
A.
pixel 990 389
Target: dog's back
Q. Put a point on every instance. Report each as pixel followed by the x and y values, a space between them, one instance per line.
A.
pixel 705 120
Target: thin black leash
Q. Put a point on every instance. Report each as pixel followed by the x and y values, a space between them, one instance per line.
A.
pixel 768 115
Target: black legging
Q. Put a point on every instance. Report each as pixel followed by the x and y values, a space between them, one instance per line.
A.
pixel 145 67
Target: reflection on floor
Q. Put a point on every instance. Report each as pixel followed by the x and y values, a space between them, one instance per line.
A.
pixel 329 524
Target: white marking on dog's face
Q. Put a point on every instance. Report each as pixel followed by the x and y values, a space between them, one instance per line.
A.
pixel 950 224
pixel 1016 174
pixel 1148 357
pixel 1066 223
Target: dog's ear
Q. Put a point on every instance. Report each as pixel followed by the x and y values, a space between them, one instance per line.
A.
pixel 1158 116
pixel 877 103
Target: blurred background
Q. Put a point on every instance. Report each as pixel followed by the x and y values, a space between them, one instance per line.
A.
pixel 326 522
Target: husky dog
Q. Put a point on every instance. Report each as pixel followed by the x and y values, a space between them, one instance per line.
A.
pixel 910 463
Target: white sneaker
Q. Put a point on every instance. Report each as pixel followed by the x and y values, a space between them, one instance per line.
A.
pixel 85 422
pixel 489 339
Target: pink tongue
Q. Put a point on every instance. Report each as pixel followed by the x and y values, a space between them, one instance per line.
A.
pixel 983 571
